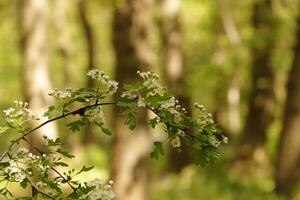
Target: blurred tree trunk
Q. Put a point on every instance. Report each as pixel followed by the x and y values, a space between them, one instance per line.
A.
pixel 90 44
pixel 261 97
pixel 35 75
pixel 65 51
pixel 64 40
pixel 234 88
pixel 174 68
pixel 131 151
pixel 288 163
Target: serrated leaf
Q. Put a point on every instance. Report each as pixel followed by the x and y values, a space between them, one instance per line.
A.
pixel 52 112
pixel 85 169
pixel 24 183
pixel 158 150
pixel 156 99
pixel 53 185
pixel 76 125
pixel 61 164
pixel 106 131
pixel 65 153
pixel 153 122
pixel 131 121
pixel 207 155
pixel 56 142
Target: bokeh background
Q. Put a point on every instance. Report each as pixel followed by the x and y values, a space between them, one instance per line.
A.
pixel 240 59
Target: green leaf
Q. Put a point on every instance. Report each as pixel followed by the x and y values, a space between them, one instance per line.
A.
pixel 106 131
pixel 153 122
pixel 207 155
pixel 65 153
pixel 56 142
pixel 53 185
pixel 76 125
pixel 52 112
pixel 158 150
pixel 85 169
pixel 61 164
pixel 156 99
pixel 136 86
pixel 131 121
pixel 123 102
pixel 24 183
pixel 3 129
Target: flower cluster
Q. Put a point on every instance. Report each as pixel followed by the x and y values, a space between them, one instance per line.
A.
pixel 109 85
pixel 14 173
pixel 150 81
pixel 204 120
pixel 95 115
pixel 16 117
pixel 102 191
pixel 175 142
pixel 61 94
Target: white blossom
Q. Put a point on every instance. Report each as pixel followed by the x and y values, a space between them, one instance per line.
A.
pixel 96 115
pixel 214 141
pixel 168 103
pixel 61 94
pixel 23 151
pixel 102 191
pixel 94 182
pixel 141 102
pixel 104 79
pixel 175 142
pixel 15 173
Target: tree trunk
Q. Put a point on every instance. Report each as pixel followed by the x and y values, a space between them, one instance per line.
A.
pixel 35 76
pixel 131 150
pixel 174 68
pixel 90 44
pixel 288 162
pixel 65 51
pixel 261 98
pixel 64 41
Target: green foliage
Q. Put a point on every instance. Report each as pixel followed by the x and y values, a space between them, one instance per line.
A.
pixel 33 170
pixel 158 150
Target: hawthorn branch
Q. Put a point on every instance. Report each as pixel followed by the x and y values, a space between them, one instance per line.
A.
pixel 79 111
pixel 38 190
pixel 55 170
pixel 184 129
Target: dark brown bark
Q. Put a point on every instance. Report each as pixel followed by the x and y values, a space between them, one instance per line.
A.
pixel 131 150
pixel 174 69
pixel 288 163
pixel 90 45
pixel 261 97
pixel 35 76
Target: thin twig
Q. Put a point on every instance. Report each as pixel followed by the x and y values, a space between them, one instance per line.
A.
pixel 184 129
pixel 39 191
pixel 79 111
pixel 55 170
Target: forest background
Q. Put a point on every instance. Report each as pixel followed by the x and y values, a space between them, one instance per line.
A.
pixel 240 59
